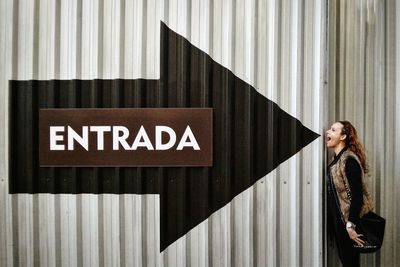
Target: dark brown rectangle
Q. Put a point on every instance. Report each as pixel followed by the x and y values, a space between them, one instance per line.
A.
pixel 125 137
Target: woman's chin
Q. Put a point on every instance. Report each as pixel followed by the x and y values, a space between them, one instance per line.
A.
pixel 329 145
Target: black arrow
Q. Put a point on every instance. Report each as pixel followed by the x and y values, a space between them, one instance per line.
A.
pixel 251 137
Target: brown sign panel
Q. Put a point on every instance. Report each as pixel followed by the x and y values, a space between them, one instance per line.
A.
pixel 125 137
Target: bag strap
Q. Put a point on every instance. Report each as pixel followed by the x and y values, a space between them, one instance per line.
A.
pixel 335 196
pixel 345 181
pixel 348 192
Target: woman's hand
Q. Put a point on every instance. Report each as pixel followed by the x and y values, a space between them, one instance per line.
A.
pixel 355 237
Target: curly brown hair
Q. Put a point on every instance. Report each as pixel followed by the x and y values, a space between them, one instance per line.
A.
pixel 353 143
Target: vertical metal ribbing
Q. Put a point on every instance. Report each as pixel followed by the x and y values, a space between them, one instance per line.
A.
pixel 363 90
pixel 272 45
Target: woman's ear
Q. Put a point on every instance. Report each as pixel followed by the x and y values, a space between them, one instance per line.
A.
pixel 343 137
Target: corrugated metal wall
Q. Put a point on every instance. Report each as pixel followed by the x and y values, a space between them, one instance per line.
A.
pixel 364 87
pixel 277 46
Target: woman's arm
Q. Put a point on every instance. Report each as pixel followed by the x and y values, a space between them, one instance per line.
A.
pixel 353 173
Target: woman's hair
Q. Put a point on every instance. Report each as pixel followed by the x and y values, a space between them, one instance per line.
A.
pixel 353 143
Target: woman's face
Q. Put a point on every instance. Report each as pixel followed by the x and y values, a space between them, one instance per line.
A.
pixel 334 135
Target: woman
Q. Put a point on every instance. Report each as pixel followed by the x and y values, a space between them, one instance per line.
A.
pixel 348 198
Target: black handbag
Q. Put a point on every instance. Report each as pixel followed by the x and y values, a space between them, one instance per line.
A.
pixel 372 227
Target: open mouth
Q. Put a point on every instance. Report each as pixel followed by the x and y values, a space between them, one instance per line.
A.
pixel 328 139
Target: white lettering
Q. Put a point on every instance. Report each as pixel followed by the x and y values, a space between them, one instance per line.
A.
pixel 117 139
pixel 146 141
pixel 120 135
pixel 172 137
pixel 54 137
pixel 74 136
pixel 100 130
pixel 192 140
